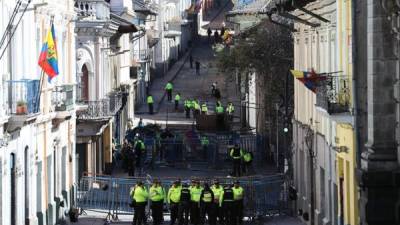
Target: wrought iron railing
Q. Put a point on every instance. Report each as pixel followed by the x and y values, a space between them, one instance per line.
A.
pixel 63 97
pixel 115 101
pixel 23 97
pixel 92 9
pixel 333 94
pixel 95 109
pixel 141 55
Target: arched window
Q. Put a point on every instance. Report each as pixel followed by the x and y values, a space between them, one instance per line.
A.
pixel 84 86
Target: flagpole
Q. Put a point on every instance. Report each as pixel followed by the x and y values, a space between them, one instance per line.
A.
pixel 42 74
pixel 39 91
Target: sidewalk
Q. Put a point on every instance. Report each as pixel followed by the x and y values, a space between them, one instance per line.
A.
pixel 190 86
pixel 98 219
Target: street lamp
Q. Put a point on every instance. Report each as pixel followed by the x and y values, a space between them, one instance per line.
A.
pixel 309 141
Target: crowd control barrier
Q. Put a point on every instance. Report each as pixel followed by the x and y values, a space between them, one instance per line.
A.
pixel 264 195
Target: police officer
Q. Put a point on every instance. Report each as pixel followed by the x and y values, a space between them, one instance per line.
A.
pixel 184 205
pixel 157 194
pixel 220 115
pixel 230 109
pixel 227 204
pixel 173 198
pixel 140 151
pixel 247 160
pixel 196 108
pixel 177 99
pixel 187 105
pixel 139 196
pixel 204 108
pixel 236 154
pixel 206 205
pixel 204 143
pixel 130 157
pixel 168 89
pixel 150 102
pixel 238 194
pixel 195 193
pixel 218 190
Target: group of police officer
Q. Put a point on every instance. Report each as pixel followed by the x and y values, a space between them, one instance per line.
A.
pixel 189 203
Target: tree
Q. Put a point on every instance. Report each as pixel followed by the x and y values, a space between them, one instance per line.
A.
pixel 267 51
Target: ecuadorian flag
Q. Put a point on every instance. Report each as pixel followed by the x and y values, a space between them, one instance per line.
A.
pixel 309 79
pixel 48 59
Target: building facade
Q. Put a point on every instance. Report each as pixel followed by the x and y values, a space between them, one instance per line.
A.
pixel 323 125
pixel 38 143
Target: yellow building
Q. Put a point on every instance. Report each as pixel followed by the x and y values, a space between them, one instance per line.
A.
pixel 324 118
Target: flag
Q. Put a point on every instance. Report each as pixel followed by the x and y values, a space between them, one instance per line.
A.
pixel 48 59
pixel 310 79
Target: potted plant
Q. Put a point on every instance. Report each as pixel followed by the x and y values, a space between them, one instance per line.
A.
pixel 21 108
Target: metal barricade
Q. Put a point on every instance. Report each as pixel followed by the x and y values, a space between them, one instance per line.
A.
pixel 264 195
pixel 94 194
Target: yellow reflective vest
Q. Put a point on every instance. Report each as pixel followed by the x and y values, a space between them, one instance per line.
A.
pixel 237 193
pixel 156 193
pixel 139 194
pixel 174 194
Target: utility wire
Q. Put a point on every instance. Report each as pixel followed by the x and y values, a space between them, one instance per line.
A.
pixel 13 32
pixel 9 25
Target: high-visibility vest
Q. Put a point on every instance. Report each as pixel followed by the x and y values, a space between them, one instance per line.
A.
pixel 139 194
pixel 207 196
pixel 247 157
pixel 169 86
pixel 195 194
pixel 141 145
pixel 230 109
pixel 218 191
pixel 150 99
pixel 204 107
pixel 187 104
pixel 227 196
pixel 237 193
pixel 204 141
pixel 196 106
pixel 219 109
pixel 174 195
pixel 236 153
pixel 177 97
pixel 156 193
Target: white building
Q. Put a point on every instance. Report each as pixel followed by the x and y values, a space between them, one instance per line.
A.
pixel 105 88
pixel 38 146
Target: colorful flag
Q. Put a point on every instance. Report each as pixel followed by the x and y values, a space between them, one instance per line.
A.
pixel 48 59
pixel 310 79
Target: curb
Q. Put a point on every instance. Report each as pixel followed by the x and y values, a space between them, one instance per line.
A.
pixel 174 76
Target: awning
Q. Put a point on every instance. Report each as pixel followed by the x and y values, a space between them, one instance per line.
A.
pixel 91 128
pixel 171 34
pixel 125 29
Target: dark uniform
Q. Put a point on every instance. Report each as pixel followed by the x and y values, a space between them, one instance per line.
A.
pixel 236 154
pixel 184 206
pixel 227 205
pixel 206 206
pixel 140 151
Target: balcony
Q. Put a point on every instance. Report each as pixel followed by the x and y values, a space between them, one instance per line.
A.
pixel 23 98
pixel 92 9
pixel 141 55
pixel 101 109
pixel 153 36
pixel 63 97
pixel 333 95
pixel 115 98
pixel 172 28
pixel 95 110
